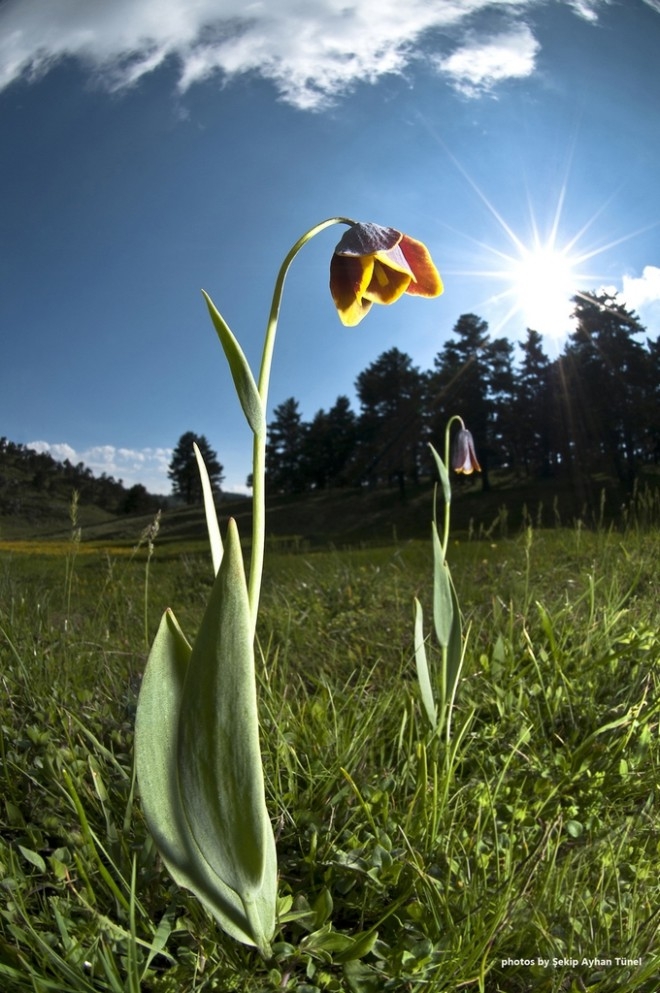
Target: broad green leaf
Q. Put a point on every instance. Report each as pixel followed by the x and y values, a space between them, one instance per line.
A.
pixel 443 607
pixel 443 474
pixel 156 728
pixel 219 758
pixel 212 525
pixel 423 677
pixel 246 388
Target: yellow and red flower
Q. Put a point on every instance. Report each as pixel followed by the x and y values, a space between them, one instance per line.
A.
pixel 373 264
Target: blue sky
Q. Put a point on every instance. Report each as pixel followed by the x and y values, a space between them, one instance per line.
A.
pixel 154 147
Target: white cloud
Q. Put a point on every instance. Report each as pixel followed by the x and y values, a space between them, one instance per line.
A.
pixel 60 452
pixel 642 294
pixel 479 64
pixel 639 290
pixel 311 51
pixel 145 465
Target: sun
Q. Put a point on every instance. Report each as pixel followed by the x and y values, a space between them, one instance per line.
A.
pixel 540 272
pixel 541 275
pixel 544 280
pixel 541 268
pixel 540 280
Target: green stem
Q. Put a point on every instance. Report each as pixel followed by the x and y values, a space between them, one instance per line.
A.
pixel 447 508
pixel 259 444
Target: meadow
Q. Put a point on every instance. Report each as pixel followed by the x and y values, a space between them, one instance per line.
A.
pixel 520 855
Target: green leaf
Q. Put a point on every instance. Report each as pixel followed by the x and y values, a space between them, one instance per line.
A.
pixel 322 907
pixel 443 605
pixel 361 946
pixel 423 677
pixel 326 940
pixel 212 525
pixel 246 388
pixel 156 732
pixel 362 978
pixel 219 758
pixel 159 941
pixel 443 474
pixel 33 857
pixel 454 644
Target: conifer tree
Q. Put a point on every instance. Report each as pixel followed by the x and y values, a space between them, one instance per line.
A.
pixel 183 469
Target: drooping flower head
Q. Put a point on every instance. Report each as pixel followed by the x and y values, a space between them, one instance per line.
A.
pixel 373 264
pixel 464 457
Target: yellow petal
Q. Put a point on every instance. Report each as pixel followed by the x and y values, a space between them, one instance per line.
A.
pixel 387 284
pixel 350 276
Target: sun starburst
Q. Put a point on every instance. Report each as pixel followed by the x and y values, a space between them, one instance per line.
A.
pixel 540 274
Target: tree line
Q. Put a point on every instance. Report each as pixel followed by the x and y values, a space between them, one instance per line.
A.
pixel 27 475
pixel 593 409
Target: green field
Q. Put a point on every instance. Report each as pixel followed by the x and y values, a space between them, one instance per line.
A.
pixel 406 863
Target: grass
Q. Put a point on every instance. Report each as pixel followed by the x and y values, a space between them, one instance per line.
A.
pixel 406 862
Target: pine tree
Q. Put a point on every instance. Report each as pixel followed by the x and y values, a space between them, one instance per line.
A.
pixel 284 454
pixel 532 428
pixel 607 378
pixel 391 424
pixel 183 469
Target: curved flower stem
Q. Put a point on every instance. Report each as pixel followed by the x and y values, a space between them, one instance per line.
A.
pixel 447 508
pixel 259 444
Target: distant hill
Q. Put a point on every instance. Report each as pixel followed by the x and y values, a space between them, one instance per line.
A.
pixel 36 493
pixel 353 516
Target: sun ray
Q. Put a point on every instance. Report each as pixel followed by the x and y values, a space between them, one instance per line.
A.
pixel 544 274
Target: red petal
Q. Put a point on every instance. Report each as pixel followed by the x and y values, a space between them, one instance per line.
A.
pixel 426 278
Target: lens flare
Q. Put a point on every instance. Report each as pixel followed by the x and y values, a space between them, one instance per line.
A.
pixel 540 270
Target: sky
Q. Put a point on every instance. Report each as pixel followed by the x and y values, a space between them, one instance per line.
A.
pixel 154 148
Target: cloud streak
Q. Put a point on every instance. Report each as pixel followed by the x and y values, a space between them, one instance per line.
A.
pixel 311 53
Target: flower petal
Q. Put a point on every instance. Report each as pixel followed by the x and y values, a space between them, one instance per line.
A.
pixel 375 264
pixel 395 259
pixel 349 278
pixel 367 239
pixel 426 280
pixel 464 458
pixel 387 283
